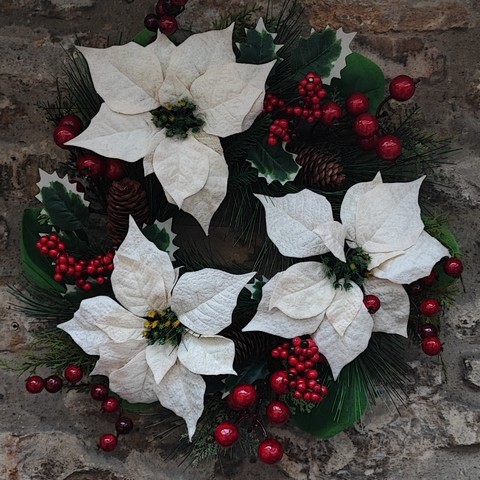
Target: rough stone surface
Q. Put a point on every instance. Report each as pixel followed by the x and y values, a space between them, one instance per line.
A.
pixel 437 429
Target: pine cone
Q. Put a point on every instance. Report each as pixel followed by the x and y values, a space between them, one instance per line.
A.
pixel 125 197
pixel 319 169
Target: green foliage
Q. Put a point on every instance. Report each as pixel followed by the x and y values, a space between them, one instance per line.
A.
pixel 250 373
pixel 355 268
pixel 144 37
pixel 436 227
pixel 258 48
pixel 177 120
pixel 160 237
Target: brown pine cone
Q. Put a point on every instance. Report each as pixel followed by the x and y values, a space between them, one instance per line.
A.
pixel 125 197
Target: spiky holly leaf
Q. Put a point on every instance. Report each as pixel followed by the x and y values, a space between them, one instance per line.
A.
pixel 273 162
pixel 162 236
pixel 259 46
pixel 361 75
pixel 144 37
pixel 249 374
pixel 323 53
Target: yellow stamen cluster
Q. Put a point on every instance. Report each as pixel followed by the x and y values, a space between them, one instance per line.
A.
pixel 162 327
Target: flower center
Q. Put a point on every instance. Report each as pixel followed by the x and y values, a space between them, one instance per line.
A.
pixel 177 119
pixel 162 327
pixel 355 269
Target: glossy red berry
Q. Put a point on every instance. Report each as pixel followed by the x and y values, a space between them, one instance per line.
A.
pixel 226 434
pixel 108 442
pixel 270 451
pixel 244 396
pixel 429 307
pixel 278 412
pixel 99 391
pixel 63 134
pixel 167 25
pixel 389 147
pixel 453 267
pixel 427 330
pixel 357 103
pixel 72 121
pixel 331 111
pixel 151 22
pixel 402 88
pixel 372 303
pixel 34 384
pixel 114 169
pixel 110 405
pixel 431 346
pixel 279 382
pixel 124 425
pixel 366 125
pixel 53 384
pixel 91 164
pixel 73 373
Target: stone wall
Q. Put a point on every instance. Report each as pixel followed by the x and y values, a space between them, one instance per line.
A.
pixel 436 434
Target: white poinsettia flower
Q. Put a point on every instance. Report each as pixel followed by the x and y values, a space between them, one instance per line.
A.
pixel 383 219
pixel 190 311
pixel 135 81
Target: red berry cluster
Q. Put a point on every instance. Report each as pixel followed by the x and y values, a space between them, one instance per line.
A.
pixel 302 356
pixel 164 17
pixel 278 131
pixel 54 383
pixel 67 129
pixel 69 269
pixel 431 344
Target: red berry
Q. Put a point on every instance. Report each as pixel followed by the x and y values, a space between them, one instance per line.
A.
pixel 99 391
pixel 372 303
pixel 34 384
pixel 110 405
pixel 167 25
pixel 357 103
pixel 63 134
pixel 270 451
pixel 368 143
pixel 431 346
pixel 115 169
pixel 453 267
pixel 91 164
pixel 402 88
pixel 429 280
pixel 278 412
pixel 331 111
pixel 73 373
pixel 244 396
pixel 58 277
pixel 151 22
pixel 429 307
pixel 53 384
pixel 366 125
pixel 124 425
pixel 72 121
pixel 226 434
pixel 108 442
pixel 279 382
pixel 389 147
pixel 428 330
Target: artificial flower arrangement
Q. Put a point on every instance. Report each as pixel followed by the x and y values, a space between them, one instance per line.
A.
pixel 289 143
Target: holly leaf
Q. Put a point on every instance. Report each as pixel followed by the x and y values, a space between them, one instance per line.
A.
pixel 323 53
pixel 162 236
pixel 361 75
pixel 273 162
pixel 249 374
pixel 259 46
pixel 144 37
pixel 37 267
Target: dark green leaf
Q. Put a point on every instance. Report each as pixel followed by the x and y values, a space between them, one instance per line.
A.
pixel 160 237
pixel 65 209
pixel 252 372
pixel 258 48
pixel 143 37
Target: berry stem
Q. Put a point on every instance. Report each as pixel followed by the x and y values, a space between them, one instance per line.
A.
pixel 382 104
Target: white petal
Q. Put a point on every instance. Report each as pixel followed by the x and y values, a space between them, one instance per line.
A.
pixel 344 308
pixel 182 166
pixel 388 217
pixel 392 316
pixel 291 220
pixel 230 97
pixel 127 77
pixel 275 321
pixel 84 326
pixel 415 263
pixel 341 350
pixel 203 204
pixel 303 290
pixel 182 392
pixel 163 48
pixel 333 235
pixel 204 301
pixel 143 276
pixel 173 90
pixel 348 210
pixel 114 135
pixel 160 359
pixel 207 354
pixel 114 356
pixel 377 259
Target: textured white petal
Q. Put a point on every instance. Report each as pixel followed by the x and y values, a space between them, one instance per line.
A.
pixel 207 354
pixel 127 77
pixel 182 166
pixel 114 356
pixel 377 259
pixel 84 328
pixel 203 204
pixel 204 301
pixel 230 97
pixel 275 321
pixel 163 48
pixel 160 359
pixel 344 308
pixel 415 263
pixel 200 52
pixel 291 220
pixel 114 135
pixel 173 90
pixel 348 210
pixel 341 350
pixel 388 217
pixel 333 236
pixel 392 316
pixel 182 392
pixel 303 291
pixel 143 276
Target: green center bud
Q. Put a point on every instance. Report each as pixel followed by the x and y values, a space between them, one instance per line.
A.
pixel 355 269
pixel 177 119
pixel 162 327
